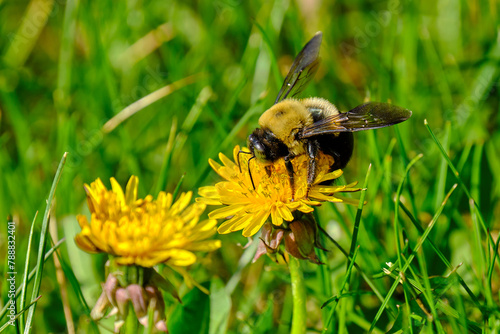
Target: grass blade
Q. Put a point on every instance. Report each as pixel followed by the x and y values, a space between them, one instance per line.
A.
pixel 142 103
pixel 357 220
pixel 19 314
pixel 411 257
pixel 344 283
pixel 41 245
pixel 24 286
pixel 32 274
pixel 472 201
pixel 441 256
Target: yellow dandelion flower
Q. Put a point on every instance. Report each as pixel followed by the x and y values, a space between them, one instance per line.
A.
pixel 144 232
pixel 248 209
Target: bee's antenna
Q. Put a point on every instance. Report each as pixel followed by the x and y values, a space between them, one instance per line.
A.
pixel 238 157
pixel 249 172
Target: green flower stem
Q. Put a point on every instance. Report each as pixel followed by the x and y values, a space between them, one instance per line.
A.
pixel 131 325
pixel 299 297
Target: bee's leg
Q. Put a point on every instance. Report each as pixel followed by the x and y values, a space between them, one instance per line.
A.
pixel 289 168
pixel 312 152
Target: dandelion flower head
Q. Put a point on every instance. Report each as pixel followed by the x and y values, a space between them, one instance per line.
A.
pixel 144 232
pixel 247 209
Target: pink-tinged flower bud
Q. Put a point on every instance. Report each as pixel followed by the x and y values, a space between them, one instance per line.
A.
pixel 139 302
pixel 157 303
pixel 269 241
pixel 145 296
pixel 122 298
pixel 161 326
pixel 110 287
pixel 301 240
pixel 100 307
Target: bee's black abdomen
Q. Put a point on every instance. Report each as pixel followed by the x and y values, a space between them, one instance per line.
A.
pixel 340 147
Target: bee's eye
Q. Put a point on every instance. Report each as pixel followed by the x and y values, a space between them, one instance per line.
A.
pixel 259 150
pixel 260 154
pixel 257 147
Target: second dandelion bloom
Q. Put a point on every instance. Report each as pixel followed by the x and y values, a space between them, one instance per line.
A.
pixel 138 234
pixel 144 232
pixel 247 209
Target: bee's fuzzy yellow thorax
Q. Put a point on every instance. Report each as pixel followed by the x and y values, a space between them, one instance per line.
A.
pixel 320 105
pixel 284 120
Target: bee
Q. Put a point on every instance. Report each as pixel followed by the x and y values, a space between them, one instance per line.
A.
pixel 292 127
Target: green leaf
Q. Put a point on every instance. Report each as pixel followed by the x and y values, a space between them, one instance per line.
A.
pixel 193 315
pixel 220 307
pixel 264 323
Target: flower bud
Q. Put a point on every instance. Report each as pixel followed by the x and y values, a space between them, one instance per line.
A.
pixel 157 303
pixel 139 302
pixel 300 240
pixel 270 241
pixel 117 295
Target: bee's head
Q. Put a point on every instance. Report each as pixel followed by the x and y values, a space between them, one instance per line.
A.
pixel 258 145
pixel 265 146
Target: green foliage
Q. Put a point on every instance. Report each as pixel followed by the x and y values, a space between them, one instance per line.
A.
pixel 194 77
pixel 192 316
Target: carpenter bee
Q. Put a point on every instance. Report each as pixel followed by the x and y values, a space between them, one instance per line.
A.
pixel 292 127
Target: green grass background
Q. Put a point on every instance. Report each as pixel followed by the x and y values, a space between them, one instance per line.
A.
pixel 67 67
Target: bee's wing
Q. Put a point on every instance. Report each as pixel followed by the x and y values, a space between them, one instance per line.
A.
pixel 371 115
pixel 303 69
